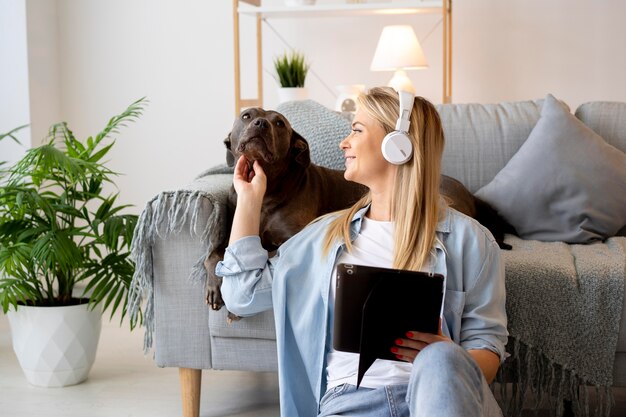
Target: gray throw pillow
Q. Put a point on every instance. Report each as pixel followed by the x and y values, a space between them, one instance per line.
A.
pixel 564 184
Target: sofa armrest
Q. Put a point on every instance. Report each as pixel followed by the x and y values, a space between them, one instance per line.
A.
pixel 176 231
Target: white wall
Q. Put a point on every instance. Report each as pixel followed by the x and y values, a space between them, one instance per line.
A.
pixel 115 52
pixel 44 71
pixel 520 49
pixel 179 55
pixel 14 110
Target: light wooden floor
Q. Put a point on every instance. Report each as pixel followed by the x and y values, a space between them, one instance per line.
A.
pixel 124 383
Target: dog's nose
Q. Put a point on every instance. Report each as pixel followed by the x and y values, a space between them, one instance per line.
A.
pixel 261 123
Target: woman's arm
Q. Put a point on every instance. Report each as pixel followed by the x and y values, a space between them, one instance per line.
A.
pixel 247 274
pixel 250 185
pixel 487 361
pixel 409 348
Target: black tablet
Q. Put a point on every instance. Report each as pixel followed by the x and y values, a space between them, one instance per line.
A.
pixel 375 306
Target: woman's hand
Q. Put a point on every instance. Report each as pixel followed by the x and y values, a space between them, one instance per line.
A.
pixel 250 185
pixel 408 348
pixel 250 181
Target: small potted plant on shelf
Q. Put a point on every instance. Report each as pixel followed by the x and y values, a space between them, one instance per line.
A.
pixel 64 251
pixel 292 70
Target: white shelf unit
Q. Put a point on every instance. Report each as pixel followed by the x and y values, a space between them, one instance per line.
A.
pixel 343 9
pixel 256 9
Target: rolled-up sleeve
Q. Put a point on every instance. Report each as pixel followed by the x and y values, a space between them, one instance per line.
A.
pixel 247 272
pixel 484 316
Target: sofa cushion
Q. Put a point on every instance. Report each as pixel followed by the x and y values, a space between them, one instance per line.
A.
pixel 481 138
pixel 607 119
pixel 260 326
pixel 564 184
pixel 321 127
pixel 248 344
pixel 244 354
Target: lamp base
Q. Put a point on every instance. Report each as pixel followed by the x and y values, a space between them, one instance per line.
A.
pixel 401 82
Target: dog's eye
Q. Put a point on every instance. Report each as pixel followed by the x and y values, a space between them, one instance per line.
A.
pixel 245 116
pixel 280 123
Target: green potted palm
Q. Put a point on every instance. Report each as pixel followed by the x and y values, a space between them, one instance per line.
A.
pixel 64 251
pixel 292 70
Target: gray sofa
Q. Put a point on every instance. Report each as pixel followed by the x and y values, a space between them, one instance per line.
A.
pixel 563 300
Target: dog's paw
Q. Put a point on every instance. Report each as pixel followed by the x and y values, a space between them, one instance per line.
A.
pixel 232 317
pixel 214 298
pixel 504 246
pixel 499 237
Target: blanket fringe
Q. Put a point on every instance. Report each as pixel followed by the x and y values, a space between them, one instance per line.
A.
pixel 164 215
pixel 528 379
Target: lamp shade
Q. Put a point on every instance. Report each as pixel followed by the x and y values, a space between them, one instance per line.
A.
pixel 398 48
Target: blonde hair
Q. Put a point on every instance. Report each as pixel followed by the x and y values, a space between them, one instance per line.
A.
pixel 416 203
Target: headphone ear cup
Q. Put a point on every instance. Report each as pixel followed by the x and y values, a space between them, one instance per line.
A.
pixel 397 148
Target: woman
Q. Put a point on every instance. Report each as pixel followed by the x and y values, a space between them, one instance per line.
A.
pixel 401 223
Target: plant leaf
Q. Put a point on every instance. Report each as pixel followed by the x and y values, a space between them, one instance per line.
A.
pixel 58 228
pixel 11 134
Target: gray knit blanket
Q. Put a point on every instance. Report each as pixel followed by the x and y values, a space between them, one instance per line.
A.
pixel 564 305
pixel 197 210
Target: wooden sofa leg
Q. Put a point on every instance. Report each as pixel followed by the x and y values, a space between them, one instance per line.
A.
pixel 190 382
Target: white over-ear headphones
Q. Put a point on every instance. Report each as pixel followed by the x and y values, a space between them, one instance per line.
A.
pixel 397 148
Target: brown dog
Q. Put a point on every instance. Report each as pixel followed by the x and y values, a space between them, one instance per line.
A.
pixel 459 198
pixel 298 191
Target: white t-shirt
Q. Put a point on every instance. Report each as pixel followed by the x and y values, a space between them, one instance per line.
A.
pixel 372 247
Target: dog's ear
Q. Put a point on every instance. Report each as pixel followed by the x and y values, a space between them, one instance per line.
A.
pixel 300 149
pixel 230 157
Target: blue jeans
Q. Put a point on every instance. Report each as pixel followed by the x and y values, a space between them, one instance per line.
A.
pixel 445 382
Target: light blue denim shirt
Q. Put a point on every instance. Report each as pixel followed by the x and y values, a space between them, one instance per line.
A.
pixel 296 283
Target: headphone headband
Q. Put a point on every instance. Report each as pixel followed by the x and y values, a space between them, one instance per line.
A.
pixel 396 147
pixel 406 105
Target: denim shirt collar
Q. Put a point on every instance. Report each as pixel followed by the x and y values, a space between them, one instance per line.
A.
pixel 443 226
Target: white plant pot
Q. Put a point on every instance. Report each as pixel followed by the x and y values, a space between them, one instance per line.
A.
pixel 292 93
pixel 55 346
pixel 296 3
